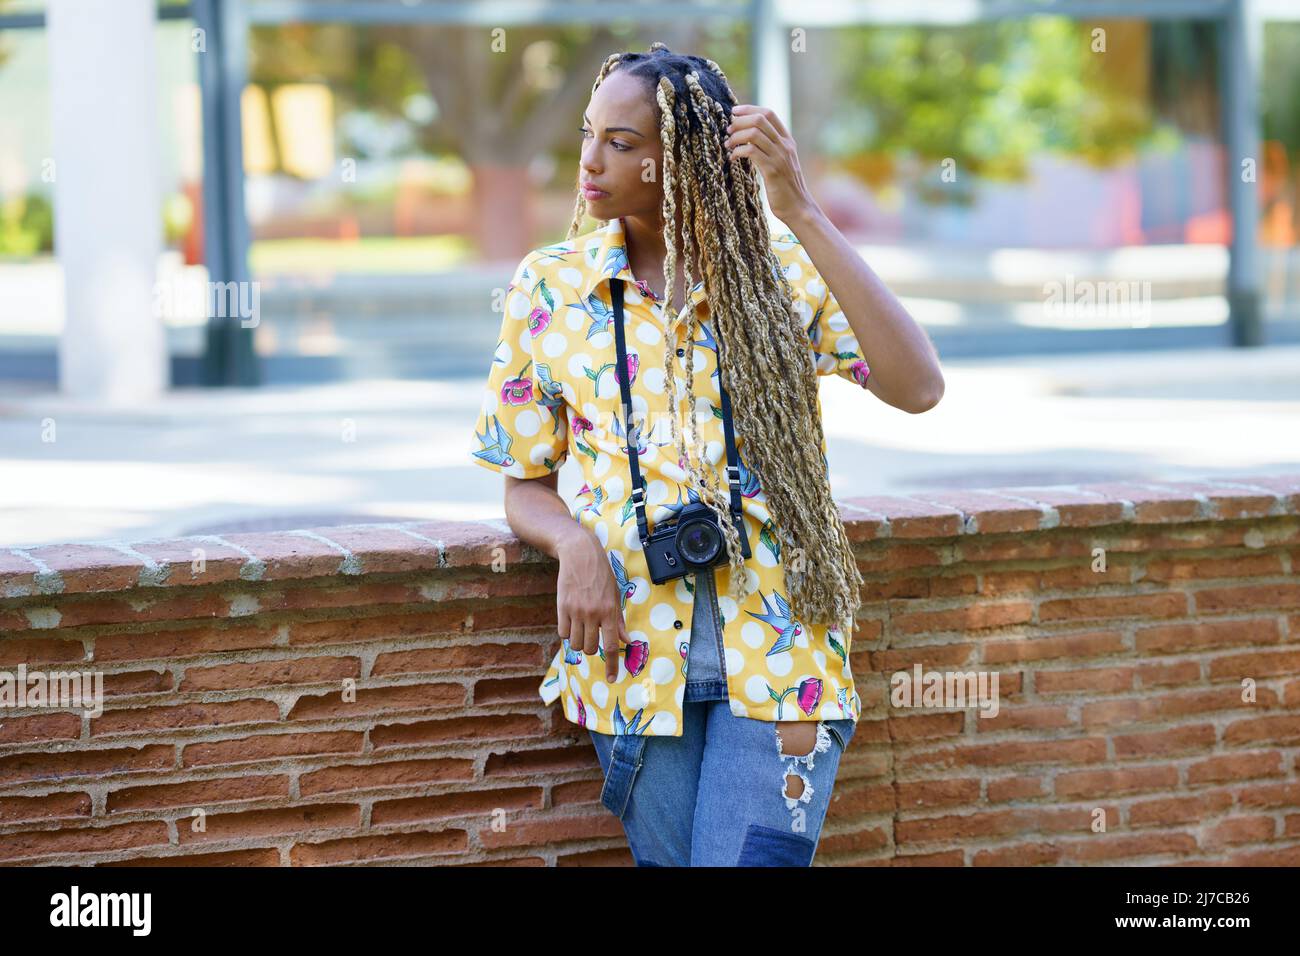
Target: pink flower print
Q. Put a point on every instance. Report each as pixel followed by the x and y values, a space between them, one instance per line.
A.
pixel 517 391
pixel 860 372
pixel 810 694
pixel 580 425
pixel 637 653
pixel 582 713
pixel 538 321
pixel 644 288
pixel 633 364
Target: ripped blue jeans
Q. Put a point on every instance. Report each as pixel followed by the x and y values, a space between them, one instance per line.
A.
pixel 725 793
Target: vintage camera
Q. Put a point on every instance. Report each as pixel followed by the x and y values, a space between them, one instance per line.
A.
pixel 691 542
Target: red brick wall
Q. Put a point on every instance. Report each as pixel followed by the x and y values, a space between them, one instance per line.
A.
pixel 1121 691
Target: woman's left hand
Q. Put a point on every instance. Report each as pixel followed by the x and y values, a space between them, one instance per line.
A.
pixel 756 133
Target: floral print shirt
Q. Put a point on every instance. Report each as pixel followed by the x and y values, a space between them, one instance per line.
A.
pixel 551 395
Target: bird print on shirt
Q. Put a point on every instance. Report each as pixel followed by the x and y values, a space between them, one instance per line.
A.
pixel 778 617
pixel 550 361
pixel 496 443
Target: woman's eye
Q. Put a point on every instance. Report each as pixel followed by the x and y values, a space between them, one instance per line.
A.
pixel 621 147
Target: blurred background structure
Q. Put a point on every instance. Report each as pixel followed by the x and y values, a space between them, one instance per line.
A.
pixel 374 165
pixel 281 193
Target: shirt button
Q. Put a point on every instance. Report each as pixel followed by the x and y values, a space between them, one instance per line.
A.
pixel 677 624
pixel 681 352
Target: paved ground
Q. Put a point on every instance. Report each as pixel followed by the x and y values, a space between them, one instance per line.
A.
pixel 283 457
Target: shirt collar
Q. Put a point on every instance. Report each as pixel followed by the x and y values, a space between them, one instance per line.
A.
pixel 610 261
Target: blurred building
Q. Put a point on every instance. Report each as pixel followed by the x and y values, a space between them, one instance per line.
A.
pixel 241 191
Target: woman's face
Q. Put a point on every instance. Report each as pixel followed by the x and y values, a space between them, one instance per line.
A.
pixel 621 151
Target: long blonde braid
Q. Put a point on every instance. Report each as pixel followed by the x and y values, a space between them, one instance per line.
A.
pixel 763 345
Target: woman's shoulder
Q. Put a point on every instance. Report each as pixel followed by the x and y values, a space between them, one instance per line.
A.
pixel 546 260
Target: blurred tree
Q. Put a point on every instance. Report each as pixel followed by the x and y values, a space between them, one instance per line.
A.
pixel 990 95
pixel 497 111
pixel 1280 106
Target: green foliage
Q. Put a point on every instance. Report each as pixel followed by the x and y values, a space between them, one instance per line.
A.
pixel 26 225
pixel 1280 89
pixel 987 95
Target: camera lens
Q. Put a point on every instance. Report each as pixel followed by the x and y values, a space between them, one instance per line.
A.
pixel 698 542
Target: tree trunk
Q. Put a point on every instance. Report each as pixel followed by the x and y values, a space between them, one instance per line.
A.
pixel 504 211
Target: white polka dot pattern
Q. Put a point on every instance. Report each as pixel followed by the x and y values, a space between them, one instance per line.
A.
pixel 552 394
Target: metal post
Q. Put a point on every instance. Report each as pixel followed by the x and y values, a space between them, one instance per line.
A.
pixel 223 71
pixel 1242 46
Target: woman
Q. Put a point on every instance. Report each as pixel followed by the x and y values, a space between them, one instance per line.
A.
pixel 725 694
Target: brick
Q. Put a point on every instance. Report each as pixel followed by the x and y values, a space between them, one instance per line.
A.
pixel 286 555
pixel 390 847
pixel 24 767
pixel 393 773
pixel 275 673
pixel 909 517
pixel 378 700
pixel 1205 635
pixel 86 840
pixel 263 824
pixel 40 728
pixel 987 512
pixel 1246 766
pixel 88 567
pixel 485 728
pixel 206 714
pixel 261 856
pixel 1049 647
pixel 54 806
pixel 1075 508
pixel 1168 811
pixel 1246 597
pixel 273 747
pixel 198 793
pixel 1132 605
pixel 190 561
pixel 169 644
pixel 482 803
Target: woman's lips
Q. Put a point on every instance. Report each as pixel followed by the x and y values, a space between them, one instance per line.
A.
pixel 591 192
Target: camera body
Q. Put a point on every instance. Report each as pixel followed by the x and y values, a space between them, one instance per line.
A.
pixel 691 542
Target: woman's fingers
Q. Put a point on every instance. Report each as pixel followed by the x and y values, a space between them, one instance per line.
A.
pixel 748 112
pixel 591 637
pixel 563 623
pixel 611 634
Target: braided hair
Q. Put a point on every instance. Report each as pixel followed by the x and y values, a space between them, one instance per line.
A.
pixel 763 353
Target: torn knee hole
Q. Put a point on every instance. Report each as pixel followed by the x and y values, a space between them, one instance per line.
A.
pixel 798 739
pixel 796 788
pixel 793 786
pixel 807 739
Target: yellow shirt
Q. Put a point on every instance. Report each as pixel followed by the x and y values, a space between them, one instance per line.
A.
pixel 552 393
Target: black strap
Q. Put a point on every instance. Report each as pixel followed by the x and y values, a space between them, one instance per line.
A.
pixel 620 372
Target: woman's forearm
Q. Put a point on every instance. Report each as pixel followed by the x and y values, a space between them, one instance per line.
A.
pixel 538 515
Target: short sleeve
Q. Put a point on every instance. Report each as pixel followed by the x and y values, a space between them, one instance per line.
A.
pixel 834 346
pixel 523 424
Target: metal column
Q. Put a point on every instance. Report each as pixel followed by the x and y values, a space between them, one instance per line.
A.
pixel 1242 46
pixel 223 71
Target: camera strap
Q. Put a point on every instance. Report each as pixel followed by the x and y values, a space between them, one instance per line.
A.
pixel 620 373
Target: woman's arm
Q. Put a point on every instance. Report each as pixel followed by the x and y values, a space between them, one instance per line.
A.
pixel 904 367
pixel 587 602
pixel 538 515
pixel 902 360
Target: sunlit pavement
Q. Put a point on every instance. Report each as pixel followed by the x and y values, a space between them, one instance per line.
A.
pixel 278 457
